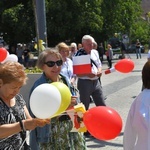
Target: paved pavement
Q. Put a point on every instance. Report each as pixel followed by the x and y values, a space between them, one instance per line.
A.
pixel 120 90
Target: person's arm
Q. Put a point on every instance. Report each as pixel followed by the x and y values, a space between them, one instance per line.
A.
pixel 28 116
pixel 99 72
pixel 99 67
pixel 7 130
pixel 129 137
pixel 73 79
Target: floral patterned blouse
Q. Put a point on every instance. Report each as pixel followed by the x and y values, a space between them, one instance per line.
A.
pixel 10 115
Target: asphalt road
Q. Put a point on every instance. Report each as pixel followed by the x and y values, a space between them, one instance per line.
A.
pixel 120 90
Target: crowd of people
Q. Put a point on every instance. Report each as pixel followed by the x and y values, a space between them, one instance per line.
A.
pixel 57 66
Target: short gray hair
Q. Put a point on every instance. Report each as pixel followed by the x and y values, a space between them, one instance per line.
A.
pixel 87 37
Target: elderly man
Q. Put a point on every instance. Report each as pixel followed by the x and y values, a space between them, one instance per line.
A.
pixel 89 84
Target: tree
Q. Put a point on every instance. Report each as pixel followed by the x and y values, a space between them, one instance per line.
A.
pixel 119 15
pixel 17 22
pixel 141 31
pixel 70 20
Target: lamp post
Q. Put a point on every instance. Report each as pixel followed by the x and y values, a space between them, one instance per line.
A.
pixel 40 21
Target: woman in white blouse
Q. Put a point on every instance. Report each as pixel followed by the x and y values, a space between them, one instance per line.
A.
pixel 67 67
pixel 137 129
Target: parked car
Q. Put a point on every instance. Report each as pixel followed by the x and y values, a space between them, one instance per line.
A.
pixel 132 48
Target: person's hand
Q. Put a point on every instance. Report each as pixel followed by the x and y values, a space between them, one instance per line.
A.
pixel 73 101
pixel 30 124
pixel 91 75
pixel 99 74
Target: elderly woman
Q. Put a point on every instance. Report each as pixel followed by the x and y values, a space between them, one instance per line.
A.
pixel 73 49
pixel 14 116
pixel 67 66
pixel 57 135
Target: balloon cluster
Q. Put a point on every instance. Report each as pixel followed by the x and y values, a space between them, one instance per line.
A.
pixel 123 66
pixel 49 100
pixel 5 56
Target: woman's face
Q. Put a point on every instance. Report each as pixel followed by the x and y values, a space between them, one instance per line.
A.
pixel 9 90
pixel 108 46
pixel 52 72
pixel 64 53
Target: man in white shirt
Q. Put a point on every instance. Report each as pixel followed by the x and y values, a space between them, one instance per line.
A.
pixel 89 84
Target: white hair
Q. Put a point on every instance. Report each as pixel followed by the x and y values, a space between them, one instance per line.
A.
pixel 73 45
pixel 87 37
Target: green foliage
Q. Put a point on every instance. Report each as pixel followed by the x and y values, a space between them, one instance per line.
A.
pixel 119 15
pixel 140 30
pixel 18 22
pixel 33 70
pixel 69 20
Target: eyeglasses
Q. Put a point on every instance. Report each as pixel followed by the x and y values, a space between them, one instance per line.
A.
pixel 52 63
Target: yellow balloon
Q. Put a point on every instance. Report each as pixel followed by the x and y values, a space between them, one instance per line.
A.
pixel 65 96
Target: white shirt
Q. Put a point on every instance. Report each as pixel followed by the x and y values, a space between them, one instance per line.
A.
pixel 95 57
pixel 148 55
pixel 137 129
pixel 67 69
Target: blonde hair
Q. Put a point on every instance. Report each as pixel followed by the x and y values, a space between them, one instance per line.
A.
pixel 12 72
pixel 43 55
pixel 61 46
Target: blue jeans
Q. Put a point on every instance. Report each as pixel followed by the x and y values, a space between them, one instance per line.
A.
pixel 138 52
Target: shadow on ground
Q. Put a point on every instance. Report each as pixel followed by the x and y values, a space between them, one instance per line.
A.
pixel 99 143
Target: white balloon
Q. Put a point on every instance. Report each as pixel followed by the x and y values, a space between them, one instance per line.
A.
pixel 45 101
pixel 11 57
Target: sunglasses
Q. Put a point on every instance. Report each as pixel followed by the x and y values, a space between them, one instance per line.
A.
pixel 52 63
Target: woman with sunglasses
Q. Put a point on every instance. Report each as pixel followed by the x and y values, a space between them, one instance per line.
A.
pixel 57 135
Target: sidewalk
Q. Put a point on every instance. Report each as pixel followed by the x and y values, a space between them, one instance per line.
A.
pixel 120 90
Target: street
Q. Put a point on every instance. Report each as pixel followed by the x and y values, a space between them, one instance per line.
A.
pixel 120 90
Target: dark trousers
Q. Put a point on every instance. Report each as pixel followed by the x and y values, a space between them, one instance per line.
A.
pixel 109 62
pixel 89 88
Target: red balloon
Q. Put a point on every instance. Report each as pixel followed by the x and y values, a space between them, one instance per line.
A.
pixel 124 65
pixel 3 54
pixel 104 123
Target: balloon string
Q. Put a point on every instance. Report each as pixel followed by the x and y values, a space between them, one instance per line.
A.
pixel 27 135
